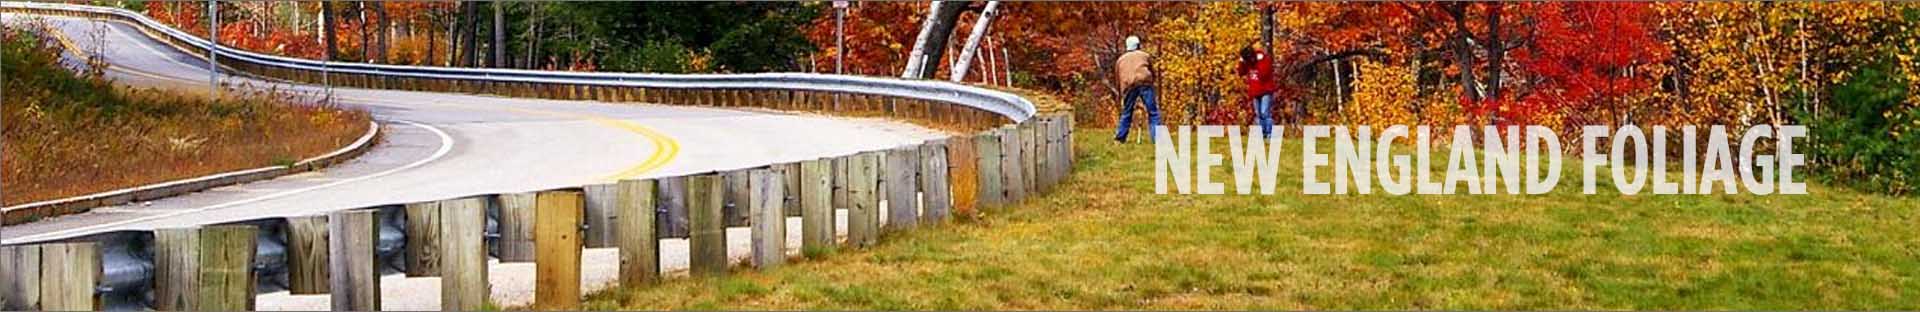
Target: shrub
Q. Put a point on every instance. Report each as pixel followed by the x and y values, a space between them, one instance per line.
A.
pixel 1867 137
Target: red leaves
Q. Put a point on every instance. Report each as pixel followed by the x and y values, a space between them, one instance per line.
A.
pixel 1585 56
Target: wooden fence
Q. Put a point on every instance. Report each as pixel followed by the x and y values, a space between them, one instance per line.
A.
pixel 216 267
pixel 997 162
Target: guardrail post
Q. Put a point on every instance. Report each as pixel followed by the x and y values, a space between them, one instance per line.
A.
pixel 1043 153
pixel 733 208
pixel 1029 155
pixel 1011 163
pixel 463 248
pixel 307 255
pixel 816 207
pixel 601 212
pixel 203 269
pixel 1062 147
pixel 673 207
pixel 556 233
pixel 708 244
pixel 768 201
pixel 863 214
pixel 789 175
pixel 901 183
pixel 992 187
pixel 837 167
pixel 423 239
pixel 354 268
pixel 69 272
pixel 639 241
pixel 936 196
pixel 20 277
pixel 962 175
pixel 516 227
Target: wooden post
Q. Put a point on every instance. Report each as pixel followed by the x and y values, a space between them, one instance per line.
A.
pixel 1010 165
pixel 708 244
pixel 463 252
pixel 639 242
pixel 902 184
pixel 176 256
pixel 672 193
pixel 838 166
pixel 556 234
pixel 1068 148
pixel 992 188
pixel 733 208
pixel 20 277
pixel 936 197
pixel 1042 153
pixel 423 239
pixel 863 215
pixel 355 269
pixel 208 268
pixel 307 255
pixel 600 215
pixel 69 273
pixel 816 207
pixel 963 175
pixel 790 177
pixel 768 201
pixel 1029 155
pixel 516 227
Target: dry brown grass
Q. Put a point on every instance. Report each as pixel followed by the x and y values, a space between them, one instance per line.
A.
pixel 72 134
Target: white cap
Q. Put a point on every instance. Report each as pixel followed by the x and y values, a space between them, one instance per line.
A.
pixel 1133 43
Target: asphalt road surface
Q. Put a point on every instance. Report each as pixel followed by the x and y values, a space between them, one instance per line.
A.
pixel 444 145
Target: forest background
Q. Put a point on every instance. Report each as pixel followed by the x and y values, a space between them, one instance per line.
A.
pixel 1848 70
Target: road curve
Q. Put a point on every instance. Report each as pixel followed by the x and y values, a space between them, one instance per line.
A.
pixel 441 145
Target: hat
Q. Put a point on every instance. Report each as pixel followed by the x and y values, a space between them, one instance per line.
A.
pixel 1133 43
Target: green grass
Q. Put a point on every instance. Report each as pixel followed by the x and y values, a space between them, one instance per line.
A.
pixel 1103 240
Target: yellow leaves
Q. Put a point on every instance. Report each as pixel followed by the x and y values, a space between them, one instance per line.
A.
pixel 1382 95
pixel 1196 56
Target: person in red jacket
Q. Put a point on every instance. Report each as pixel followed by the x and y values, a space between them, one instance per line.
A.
pixel 1257 69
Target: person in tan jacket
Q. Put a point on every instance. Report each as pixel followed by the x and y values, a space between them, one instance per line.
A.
pixel 1134 72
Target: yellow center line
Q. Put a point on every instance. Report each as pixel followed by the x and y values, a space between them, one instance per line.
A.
pixel 665 147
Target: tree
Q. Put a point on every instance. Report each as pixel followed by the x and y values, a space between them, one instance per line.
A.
pixel 1586 57
pixel 931 44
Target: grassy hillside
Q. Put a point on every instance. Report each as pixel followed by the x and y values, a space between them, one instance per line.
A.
pixel 1105 241
pixel 70 134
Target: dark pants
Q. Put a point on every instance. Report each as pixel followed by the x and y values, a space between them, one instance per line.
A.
pixel 1126 111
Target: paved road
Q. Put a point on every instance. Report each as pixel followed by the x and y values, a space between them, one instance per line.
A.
pixel 441 145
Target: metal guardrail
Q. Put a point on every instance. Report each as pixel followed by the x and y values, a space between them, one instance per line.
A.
pixel 1002 103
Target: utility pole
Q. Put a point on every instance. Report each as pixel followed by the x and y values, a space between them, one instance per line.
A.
pixel 213 62
pixel 839 37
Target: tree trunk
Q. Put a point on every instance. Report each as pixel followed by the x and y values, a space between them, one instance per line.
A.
pixel 327 29
pixel 534 36
pixel 972 48
pixel 499 34
pixel 1496 52
pixel 366 55
pixel 1463 51
pixel 470 52
pixel 385 35
pixel 931 44
pixel 454 29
